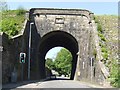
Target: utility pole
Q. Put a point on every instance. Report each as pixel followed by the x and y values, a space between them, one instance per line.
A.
pixel 29 50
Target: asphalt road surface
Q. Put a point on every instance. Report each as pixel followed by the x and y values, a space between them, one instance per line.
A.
pixel 56 84
pixel 53 83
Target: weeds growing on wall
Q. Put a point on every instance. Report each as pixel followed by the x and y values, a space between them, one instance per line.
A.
pixel 104 24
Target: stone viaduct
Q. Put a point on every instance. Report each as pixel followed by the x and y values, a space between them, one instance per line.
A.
pixel 74 29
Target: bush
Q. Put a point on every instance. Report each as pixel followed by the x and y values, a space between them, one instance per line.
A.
pixel 115 74
pixel 103 39
pixel 20 11
pixel 96 19
pixel 103 49
pixel 99 28
pixel 105 55
pixel 101 36
pixel 9 27
pixel 11 23
pixel 101 45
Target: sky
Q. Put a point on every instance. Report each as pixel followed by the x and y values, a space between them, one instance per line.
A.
pixel 98 8
pixel 95 7
pixel 52 53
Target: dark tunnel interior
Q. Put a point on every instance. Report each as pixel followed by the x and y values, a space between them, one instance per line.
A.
pixel 54 39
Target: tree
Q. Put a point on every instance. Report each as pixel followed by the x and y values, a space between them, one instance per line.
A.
pixel 21 10
pixel 63 62
pixel 50 63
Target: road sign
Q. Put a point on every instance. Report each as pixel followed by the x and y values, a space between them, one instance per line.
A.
pixel 22 57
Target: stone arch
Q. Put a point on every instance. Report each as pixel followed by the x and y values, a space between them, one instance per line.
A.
pixel 54 39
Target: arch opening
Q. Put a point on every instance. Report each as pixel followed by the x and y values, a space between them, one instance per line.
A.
pixel 54 39
pixel 58 63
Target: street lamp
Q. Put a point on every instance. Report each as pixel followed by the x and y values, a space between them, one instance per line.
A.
pixel 29 49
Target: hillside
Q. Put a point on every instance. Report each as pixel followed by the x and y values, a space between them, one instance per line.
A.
pixel 109 30
pixel 109 26
pixel 12 21
pixel 108 35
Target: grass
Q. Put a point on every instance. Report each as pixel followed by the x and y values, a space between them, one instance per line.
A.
pixel 107 32
pixel 12 22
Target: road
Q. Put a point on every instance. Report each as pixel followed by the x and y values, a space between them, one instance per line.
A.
pixel 54 83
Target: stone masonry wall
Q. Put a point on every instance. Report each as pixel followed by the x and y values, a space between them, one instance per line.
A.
pixel 78 23
pixel 84 29
pixel 10 54
pixel 7 58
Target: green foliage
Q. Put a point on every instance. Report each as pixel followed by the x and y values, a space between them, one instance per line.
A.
pixel 20 11
pixel 50 63
pixel 105 55
pixel 100 32
pixel 101 44
pixel 11 23
pixel 63 62
pixel 99 28
pixel 108 22
pixel 115 74
pixel 104 52
pixel 103 39
pixel 103 49
pixel 96 19
pixel 101 36
pixel 9 27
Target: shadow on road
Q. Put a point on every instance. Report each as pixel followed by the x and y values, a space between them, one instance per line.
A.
pixel 18 84
pixel 15 85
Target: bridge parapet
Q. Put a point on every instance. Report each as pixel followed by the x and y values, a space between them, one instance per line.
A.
pixel 52 11
pixel 69 20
